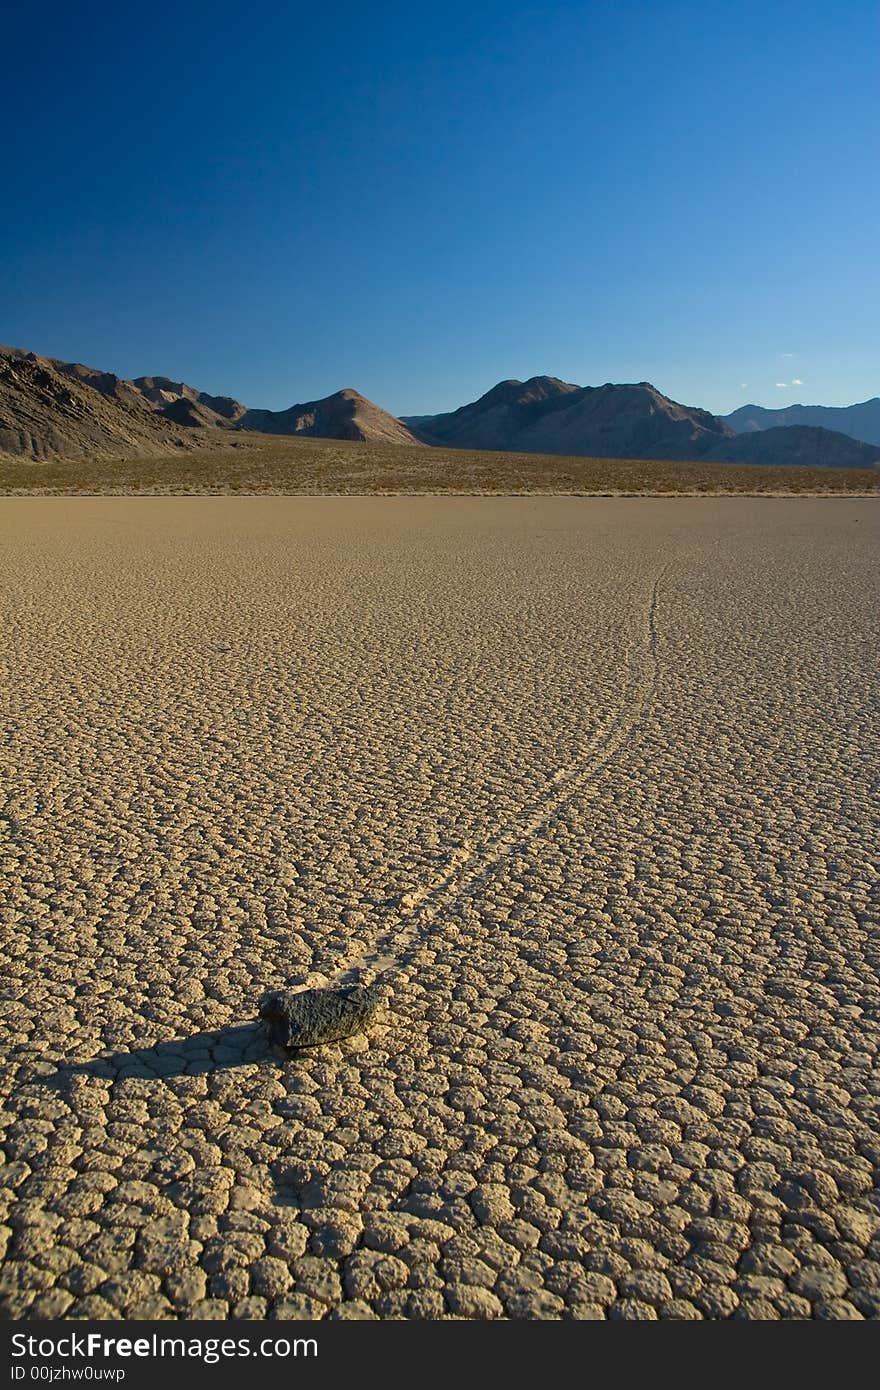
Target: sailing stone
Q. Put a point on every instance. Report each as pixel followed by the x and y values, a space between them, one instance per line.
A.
pixel 309 1017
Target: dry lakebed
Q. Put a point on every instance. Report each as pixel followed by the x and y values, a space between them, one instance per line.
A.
pixel 588 789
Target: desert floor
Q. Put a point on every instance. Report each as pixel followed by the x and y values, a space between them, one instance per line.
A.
pixel 221 464
pixel 604 771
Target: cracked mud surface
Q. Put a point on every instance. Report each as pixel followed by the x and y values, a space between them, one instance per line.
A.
pixel 596 779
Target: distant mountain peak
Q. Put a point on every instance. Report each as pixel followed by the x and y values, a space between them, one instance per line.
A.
pixel 860 421
pixel 168 396
pixel 550 416
pixel 523 392
pixel 344 415
pixel 802 446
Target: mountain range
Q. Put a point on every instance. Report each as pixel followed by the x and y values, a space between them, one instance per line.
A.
pixel 547 416
pixel 860 421
pixel 50 408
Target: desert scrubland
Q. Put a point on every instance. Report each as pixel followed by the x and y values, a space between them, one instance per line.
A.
pixel 601 773
pixel 215 464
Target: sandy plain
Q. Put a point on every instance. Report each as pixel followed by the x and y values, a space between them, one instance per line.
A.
pixel 602 772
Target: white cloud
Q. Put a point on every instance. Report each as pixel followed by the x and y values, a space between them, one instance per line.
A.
pixel 782 385
pixel 788 354
pixel 796 381
pixel 743 385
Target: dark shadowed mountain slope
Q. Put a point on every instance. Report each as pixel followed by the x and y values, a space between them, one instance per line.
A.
pixel 860 421
pixel 191 415
pixel 548 416
pixel 168 396
pixel 345 415
pixel 802 445
pixel 500 416
pixel 115 388
pixel 158 394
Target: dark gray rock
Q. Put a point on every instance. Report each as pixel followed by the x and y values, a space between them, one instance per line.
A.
pixel 310 1017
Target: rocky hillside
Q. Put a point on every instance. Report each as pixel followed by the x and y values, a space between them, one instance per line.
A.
pixel 171 398
pixel 50 409
pixel 55 409
pixel 548 416
pixel 803 446
pixel 861 421
pixel 345 415
pixel 184 405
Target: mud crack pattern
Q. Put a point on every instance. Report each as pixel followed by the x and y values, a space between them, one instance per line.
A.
pixel 630 1068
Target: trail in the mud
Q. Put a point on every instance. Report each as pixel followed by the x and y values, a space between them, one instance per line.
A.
pixel 472 865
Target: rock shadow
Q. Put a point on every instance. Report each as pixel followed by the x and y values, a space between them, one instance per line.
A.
pixel 200 1054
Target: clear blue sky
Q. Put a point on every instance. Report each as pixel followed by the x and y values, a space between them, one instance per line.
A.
pixel 274 201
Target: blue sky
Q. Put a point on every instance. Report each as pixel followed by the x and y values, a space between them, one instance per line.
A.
pixel 278 200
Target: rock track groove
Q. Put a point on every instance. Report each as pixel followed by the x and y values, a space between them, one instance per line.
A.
pixel 472 866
